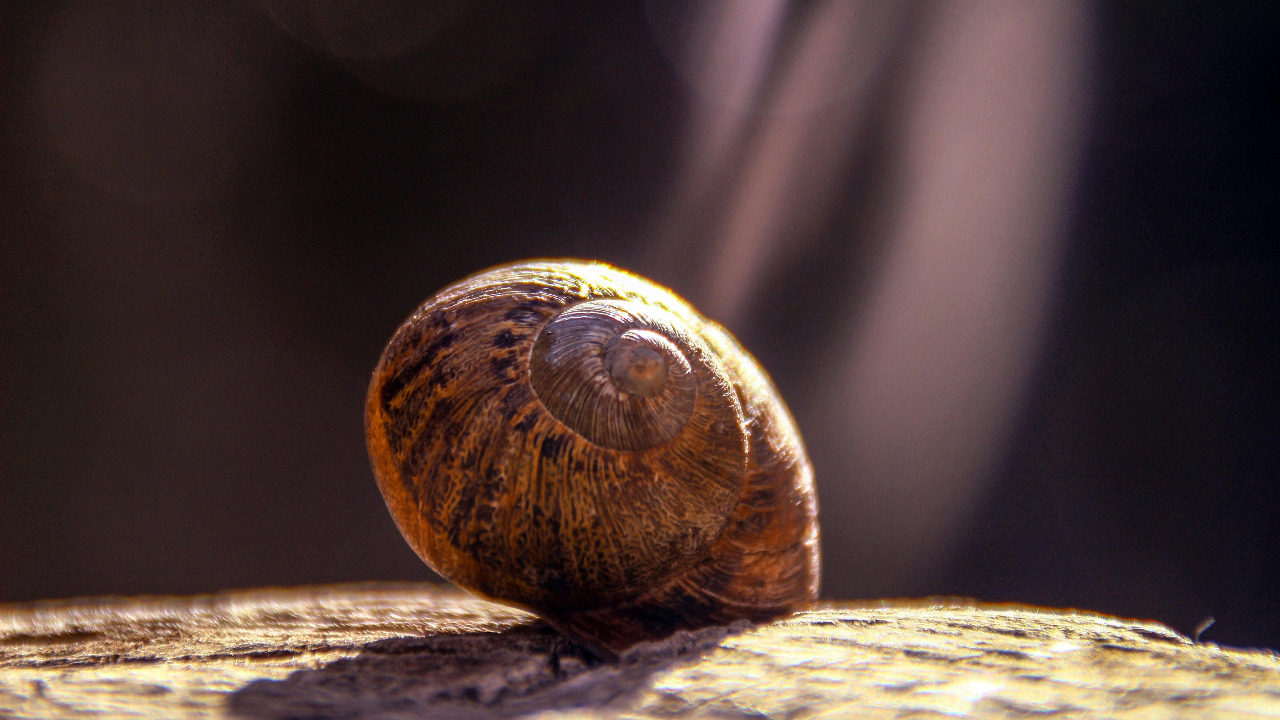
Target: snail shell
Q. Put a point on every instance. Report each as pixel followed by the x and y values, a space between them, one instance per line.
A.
pixel 579 441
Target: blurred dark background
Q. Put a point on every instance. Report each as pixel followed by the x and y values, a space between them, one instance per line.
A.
pixel 1014 265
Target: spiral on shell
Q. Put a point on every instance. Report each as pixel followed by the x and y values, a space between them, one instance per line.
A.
pixel 579 441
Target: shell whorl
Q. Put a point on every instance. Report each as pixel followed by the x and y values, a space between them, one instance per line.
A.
pixel 619 374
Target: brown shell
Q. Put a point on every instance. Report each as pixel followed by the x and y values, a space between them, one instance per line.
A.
pixel 577 440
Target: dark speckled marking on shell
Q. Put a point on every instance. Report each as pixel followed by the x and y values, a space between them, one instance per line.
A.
pixel 505 339
pixel 612 540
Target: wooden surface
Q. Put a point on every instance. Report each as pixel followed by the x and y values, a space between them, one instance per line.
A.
pixel 411 651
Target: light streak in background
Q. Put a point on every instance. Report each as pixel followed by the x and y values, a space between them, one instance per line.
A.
pixel 767 172
pixel 931 359
pixel 724 53
pixel 790 173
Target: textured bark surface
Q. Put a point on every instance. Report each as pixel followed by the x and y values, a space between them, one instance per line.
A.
pixel 408 651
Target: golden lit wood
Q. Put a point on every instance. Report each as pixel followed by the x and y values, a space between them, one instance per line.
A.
pixel 395 651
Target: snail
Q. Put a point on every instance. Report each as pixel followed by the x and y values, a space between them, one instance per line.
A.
pixel 576 440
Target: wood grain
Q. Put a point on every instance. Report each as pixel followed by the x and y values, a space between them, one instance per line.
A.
pixel 402 651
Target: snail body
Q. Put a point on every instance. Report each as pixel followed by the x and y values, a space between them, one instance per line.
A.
pixel 574 439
